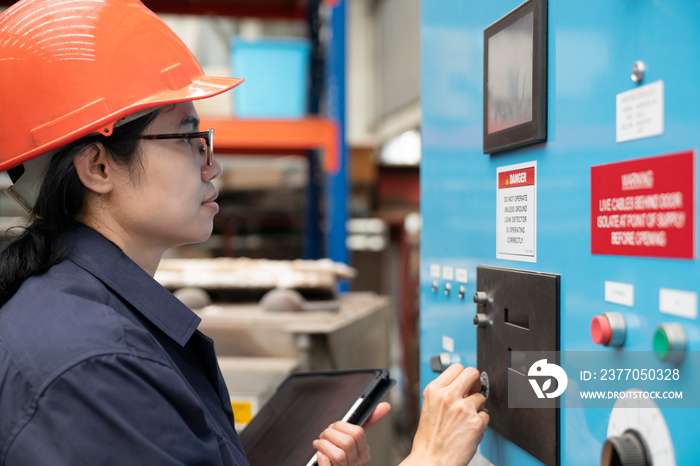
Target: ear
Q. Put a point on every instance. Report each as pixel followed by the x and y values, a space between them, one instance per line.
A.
pixel 94 170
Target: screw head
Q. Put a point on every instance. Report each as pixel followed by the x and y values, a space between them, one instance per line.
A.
pixel 638 70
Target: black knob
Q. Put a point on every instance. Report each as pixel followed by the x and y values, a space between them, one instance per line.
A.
pixel 626 450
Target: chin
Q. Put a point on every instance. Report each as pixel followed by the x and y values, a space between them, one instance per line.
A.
pixel 204 235
pixel 193 237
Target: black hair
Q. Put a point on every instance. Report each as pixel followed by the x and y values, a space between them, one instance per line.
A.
pixel 60 199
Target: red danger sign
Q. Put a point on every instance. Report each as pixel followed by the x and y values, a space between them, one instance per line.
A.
pixel 644 207
pixel 511 179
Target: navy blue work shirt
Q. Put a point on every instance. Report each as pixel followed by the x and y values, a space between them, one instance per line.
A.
pixel 101 365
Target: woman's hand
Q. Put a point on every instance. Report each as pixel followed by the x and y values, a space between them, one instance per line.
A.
pixel 344 444
pixel 452 422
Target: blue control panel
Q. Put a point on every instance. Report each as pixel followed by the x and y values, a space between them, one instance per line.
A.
pixel 608 204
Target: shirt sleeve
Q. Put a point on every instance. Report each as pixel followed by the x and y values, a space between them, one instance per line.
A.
pixel 118 409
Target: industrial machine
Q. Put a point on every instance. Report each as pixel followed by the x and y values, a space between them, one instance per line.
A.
pixel 559 242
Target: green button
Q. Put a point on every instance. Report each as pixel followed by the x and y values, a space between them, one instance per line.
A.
pixel 661 345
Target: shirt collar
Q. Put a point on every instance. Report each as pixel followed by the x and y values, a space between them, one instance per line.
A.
pixel 103 259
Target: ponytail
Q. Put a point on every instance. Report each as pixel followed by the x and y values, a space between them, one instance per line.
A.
pixel 60 199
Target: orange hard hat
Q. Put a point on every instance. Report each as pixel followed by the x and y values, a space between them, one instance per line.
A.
pixel 73 68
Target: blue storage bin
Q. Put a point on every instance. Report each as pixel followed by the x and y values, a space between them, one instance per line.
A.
pixel 276 74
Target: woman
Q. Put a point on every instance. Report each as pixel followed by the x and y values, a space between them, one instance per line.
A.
pixel 98 363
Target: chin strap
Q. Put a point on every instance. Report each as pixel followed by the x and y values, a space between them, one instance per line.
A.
pixel 14 175
pixel 25 181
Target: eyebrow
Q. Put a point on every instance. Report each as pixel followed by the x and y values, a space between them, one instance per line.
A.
pixel 190 120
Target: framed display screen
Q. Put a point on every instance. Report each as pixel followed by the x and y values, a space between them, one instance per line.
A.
pixel 515 78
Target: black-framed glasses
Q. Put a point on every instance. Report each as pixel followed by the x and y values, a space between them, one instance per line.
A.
pixel 207 136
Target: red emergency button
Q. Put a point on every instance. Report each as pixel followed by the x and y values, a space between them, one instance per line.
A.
pixel 608 329
pixel 600 330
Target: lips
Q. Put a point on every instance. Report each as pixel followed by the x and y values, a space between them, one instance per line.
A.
pixel 211 198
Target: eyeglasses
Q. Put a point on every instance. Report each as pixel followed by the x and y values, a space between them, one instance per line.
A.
pixel 206 136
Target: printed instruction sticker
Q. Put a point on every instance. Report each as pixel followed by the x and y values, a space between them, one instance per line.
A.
pixel 619 293
pixel 678 303
pixel 461 275
pixel 448 344
pixel 448 273
pixel 516 219
pixel 640 112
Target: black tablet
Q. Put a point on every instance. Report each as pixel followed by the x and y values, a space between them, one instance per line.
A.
pixel 305 404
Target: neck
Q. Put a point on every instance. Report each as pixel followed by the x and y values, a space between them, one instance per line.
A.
pixel 144 255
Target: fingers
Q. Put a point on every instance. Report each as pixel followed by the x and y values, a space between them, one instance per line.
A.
pixel 477 400
pixel 458 380
pixel 343 444
pixel 485 418
pixel 328 453
pixel 467 381
pixel 478 423
pixel 379 412
pixel 322 459
pixel 447 376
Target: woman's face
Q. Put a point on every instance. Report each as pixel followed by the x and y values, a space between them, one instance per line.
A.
pixel 170 201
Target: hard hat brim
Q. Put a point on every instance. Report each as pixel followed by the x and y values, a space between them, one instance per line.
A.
pixel 202 87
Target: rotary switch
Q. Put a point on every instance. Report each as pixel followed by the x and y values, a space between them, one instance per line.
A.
pixel 637 433
pixel 608 329
pixel 627 449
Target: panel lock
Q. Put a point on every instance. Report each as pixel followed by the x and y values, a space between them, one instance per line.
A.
pixel 517 313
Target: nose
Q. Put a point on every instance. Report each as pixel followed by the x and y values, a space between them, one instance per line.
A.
pixel 209 172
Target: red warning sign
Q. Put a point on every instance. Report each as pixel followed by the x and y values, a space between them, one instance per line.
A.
pixel 511 179
pixel 644 207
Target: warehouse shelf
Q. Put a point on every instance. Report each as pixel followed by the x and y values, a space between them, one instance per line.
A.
pixel 264 9
pixel 267 9
pixel 251 136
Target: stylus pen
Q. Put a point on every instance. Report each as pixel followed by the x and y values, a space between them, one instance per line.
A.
pixel 312 461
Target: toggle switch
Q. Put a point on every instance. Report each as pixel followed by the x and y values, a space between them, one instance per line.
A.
pixel 608 329
pixel 448 289
pixel 435 286
pixel 440 362
pixel 670 342
pixel 461 292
